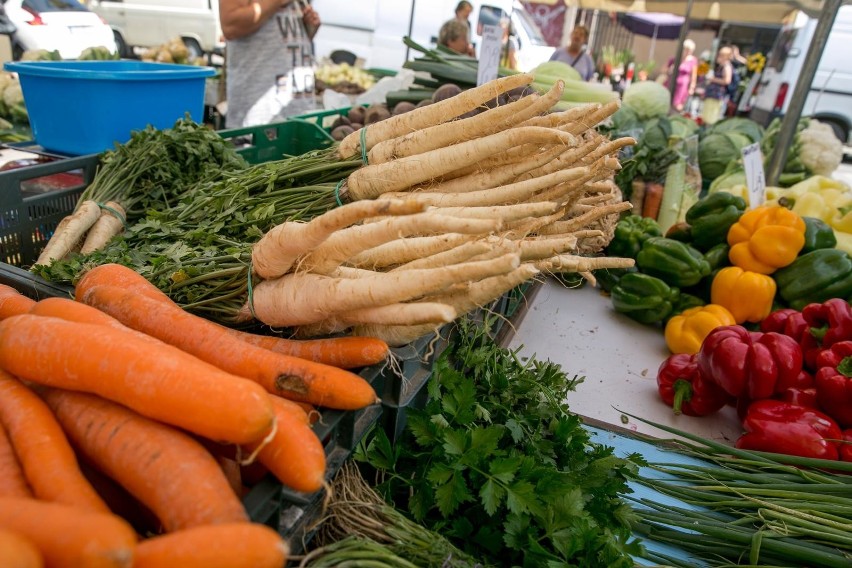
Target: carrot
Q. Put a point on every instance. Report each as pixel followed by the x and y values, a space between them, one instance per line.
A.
pixel 371 181
pixel 109 224
pixel 12 302
pixel 69 231
pixel 17 551
pixel 304 380
pixel 117 275
pixel 294 455
pixel 158 381
pixel 243 545
pixel 430 115
pixel 276 252
pixel 13 483
pixel 70 310
pixel 120 501
pixel 653 199
pixel 231 470
pixel 300 299
pixel 343 352
pixel 69 537
pixel 46 457
pixel 165 469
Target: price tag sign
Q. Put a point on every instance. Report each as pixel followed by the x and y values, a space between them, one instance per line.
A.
pixel 755 177
pixel 489 54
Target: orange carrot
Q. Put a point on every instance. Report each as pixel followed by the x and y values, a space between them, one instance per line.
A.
pixel 121 502
pixel 13 302
pixel 344 352
pixel 231 470
pixel 653 199
pixel 244 545
pixel 157 380
pixel 294 455
pixel 69 310
pixel 46 457
pixel 17 551
pixel 69 537
pixel 13 483
pixel 163 468
pixel 290 377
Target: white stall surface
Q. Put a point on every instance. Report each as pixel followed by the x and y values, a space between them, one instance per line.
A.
pixel 619 358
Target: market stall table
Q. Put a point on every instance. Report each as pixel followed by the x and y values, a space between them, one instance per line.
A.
pixel 619 358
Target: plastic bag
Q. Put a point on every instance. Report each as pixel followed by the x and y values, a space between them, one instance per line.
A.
pixel 378 92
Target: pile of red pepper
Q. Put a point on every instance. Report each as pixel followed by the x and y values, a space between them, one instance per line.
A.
pixel 791 381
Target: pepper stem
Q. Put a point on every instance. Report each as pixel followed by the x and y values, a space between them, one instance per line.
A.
pixel 845 367
pixel 819 332
pixel 683 393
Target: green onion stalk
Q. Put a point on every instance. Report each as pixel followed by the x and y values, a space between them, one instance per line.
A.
pixel 358 523
pixel 739 507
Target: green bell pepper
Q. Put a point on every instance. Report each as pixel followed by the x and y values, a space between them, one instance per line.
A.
pixel 674 262
pixel 608 277
pixel 818 235
pixel 630 233
pixel 686 301
pixel 717 257
pixel 815 277
pixel 644 298
pixel 711 218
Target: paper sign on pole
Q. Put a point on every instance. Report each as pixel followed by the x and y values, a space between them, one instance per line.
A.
pixel 755 177
pixel 489 54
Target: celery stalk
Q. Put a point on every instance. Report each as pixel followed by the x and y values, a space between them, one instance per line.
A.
pixel 672 195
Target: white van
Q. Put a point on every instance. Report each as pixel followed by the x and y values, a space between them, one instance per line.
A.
pixel 149 23
pixel 375 29
pixel 830 96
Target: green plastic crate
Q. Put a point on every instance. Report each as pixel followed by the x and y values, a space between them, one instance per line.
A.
pixel 267 142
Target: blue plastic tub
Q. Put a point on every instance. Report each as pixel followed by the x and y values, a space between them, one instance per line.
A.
pixel 86 107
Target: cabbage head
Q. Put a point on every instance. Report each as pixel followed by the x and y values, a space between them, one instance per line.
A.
pixel 717 150
pixel 657 133
pixel 648 98
pixel 625 119
pixel 682 127
pixel 741 125
pixel 551 71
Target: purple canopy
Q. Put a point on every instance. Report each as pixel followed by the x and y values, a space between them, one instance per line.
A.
pixel 653 24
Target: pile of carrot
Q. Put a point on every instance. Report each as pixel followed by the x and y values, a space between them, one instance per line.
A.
pixel 447 215
pixel 130 428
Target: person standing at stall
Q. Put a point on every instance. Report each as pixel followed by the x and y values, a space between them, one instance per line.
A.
pixel 453 34
pixel 716 92
pixel 686 76
pixel 463 11
pixel 269 59
pixel 575 53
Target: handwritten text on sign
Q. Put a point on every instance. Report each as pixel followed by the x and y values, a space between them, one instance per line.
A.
pixel 755 178
pixel 489 54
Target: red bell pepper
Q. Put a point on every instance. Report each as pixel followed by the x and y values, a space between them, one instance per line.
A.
pixel 846 448
pixel 784 428
pixel 750 365
pixel 833 382
pixel 806 397
pixel 830 322
pixel 791 323
pixel 682 387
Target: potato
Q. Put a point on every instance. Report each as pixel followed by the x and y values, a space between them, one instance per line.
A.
pixel 342 132
pixel 356 114
pixel 376 113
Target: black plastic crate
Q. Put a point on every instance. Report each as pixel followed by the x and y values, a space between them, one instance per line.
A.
pixel 31 285
pixel 33 199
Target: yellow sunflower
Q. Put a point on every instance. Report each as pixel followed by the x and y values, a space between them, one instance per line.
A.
pixel 755 62
pixel 703 68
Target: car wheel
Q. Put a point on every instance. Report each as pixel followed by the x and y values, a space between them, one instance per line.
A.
pixel 839 129
pixel 121 46
pixel 193 47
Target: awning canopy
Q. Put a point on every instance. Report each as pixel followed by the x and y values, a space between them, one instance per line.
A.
pixel 653 24
pixel 745 11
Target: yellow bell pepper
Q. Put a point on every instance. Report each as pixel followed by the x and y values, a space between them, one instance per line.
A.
pixel 747 295
pixel 766 239
pixel 842 219
pixel 686 331
pixel 772 193
pixel 844 241
pixel 813 205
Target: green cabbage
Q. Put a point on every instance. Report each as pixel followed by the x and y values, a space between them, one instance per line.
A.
pixel 717 150
pixel 734 177
pixel 744 126
pixel 625 119
pixel 657 133
pixel 682 127
pixel 648 98
pixel 551 71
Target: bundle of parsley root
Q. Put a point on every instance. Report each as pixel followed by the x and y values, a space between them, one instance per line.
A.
pixel 448 214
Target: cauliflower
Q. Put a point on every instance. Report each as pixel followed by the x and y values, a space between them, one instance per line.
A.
pixel 819 149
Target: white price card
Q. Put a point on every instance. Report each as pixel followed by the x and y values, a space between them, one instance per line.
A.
pixel 489 54
pixel 755 177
